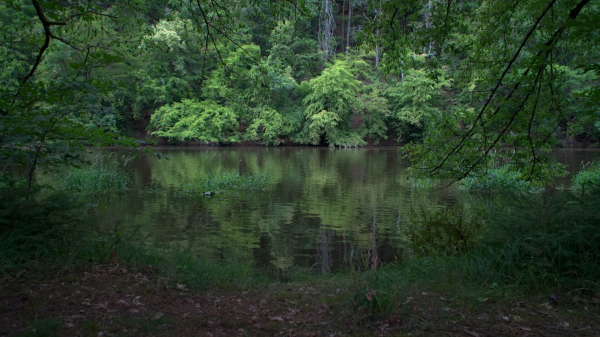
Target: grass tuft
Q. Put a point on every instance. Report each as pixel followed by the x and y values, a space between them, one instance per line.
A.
pixel 96 180
pixel 225 181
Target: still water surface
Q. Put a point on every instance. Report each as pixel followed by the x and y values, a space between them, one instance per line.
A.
pixel 327 208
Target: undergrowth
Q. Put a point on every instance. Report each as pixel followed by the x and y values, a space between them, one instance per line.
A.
pixel 534 245
pixel 35 226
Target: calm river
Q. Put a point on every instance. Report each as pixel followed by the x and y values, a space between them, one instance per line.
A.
pixel 327 208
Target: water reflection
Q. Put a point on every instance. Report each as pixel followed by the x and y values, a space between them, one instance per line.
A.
pixel 328 209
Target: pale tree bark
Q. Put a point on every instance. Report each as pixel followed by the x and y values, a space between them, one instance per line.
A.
pixel 427 49
pixel 343 13
pixel 326 28
pixel 378 15
pixel 349 23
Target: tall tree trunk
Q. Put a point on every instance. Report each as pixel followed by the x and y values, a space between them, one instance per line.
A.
pixel 428 25
pixel 349 22
pixel 326 28
pixel 343 13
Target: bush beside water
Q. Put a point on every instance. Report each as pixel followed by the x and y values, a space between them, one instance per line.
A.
pixel 588 178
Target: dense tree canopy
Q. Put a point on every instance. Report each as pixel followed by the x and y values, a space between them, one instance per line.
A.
pixel 466 82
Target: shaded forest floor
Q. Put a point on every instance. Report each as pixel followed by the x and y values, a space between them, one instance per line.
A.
pixel 111 300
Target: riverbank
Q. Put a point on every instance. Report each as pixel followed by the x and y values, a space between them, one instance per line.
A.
pixel 146 140
pixel 532 270
pixel 118 300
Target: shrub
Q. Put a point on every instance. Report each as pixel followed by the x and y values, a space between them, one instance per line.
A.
pixel 35 224
pixel 588 178
pixel 499 179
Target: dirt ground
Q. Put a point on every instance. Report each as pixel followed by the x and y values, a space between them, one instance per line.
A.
pixel 110 300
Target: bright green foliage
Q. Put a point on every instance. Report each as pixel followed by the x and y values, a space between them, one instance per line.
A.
pixel 267 127
pixel 206 121
pixel 331 102
pixel 249 85
pixel 375 113
pixel 242 82
pixel 416 99
pixel 167 67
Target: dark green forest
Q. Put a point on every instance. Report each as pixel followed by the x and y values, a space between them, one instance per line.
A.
pixel 257 214
pixel 462 83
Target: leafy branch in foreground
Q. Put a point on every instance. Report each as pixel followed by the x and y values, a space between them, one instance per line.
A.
pixel 515 78
pixel 40 108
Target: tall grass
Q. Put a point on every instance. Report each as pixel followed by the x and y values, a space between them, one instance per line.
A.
pixel 225 181
pixel 548 241
pixel 99 177
pixel 96 180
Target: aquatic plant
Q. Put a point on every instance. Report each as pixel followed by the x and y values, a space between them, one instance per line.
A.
pixel 225 181
pixel 96 180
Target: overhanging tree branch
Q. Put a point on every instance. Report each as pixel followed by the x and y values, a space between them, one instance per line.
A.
pixel 548 48
pixel 48 35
